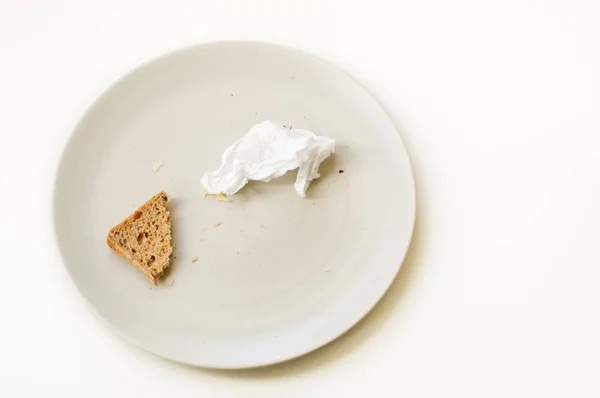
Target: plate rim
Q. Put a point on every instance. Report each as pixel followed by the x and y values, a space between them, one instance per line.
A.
pixel 163 56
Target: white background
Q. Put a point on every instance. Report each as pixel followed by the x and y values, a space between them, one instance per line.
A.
pixel 499 106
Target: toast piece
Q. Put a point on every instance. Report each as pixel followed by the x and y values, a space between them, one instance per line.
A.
pixel 144 238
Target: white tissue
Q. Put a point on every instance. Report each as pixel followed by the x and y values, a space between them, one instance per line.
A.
pixel 268 151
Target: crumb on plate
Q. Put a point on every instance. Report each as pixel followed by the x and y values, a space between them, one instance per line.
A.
pixel 157 166
pixel 218 223
pixel 194 259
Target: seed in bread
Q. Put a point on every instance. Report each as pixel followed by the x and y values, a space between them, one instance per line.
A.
pixel 144 238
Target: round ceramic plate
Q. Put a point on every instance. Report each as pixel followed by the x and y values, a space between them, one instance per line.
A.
pixel 281 275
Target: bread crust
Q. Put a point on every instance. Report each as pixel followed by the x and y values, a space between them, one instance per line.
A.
pixel 152 274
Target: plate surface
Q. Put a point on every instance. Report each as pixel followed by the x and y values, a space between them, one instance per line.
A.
pixel 281 275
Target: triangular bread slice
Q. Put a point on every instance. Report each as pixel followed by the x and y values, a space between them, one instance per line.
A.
pixel 144 238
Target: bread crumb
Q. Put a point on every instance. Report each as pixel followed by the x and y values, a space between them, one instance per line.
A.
pixel 219 196
pixel 217 223
pixel 261 225
pixel 327 269
pixel 157 167
pixel 194 259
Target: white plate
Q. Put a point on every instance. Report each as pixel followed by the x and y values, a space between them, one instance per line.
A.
pixel 281 275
